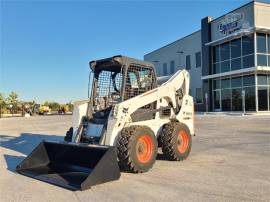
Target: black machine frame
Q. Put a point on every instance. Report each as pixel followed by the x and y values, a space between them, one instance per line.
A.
pixel 125 66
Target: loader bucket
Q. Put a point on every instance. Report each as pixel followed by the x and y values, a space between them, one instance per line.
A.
pixel 72 166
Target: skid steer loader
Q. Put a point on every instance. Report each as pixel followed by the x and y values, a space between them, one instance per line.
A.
pixel 122 124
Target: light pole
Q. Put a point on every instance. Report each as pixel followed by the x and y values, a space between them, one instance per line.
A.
pixel 11 109
pixel 243 102
pixel 206 102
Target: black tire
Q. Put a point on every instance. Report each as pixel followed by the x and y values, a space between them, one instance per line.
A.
pixel 175 141
pixel 69 133
pixel 131 149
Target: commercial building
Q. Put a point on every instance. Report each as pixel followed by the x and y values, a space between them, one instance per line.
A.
pixel 228 60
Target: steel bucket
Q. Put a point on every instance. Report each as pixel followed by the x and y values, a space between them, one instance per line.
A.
pixel 72 166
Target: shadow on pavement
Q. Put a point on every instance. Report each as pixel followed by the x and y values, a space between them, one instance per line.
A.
pixel 25 143
pixel 161 157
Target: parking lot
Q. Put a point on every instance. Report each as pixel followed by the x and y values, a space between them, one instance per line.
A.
pixel 230 161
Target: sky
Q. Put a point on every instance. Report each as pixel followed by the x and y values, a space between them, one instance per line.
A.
pixel 45 46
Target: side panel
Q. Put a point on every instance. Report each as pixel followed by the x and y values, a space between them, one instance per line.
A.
pixel 80 110
pixel 262 15
pixel 239 19
pixel 186 114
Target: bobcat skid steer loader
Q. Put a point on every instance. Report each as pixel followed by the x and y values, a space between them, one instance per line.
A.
pixel 123 123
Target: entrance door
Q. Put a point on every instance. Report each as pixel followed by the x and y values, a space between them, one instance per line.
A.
pixel 217 100
pixel 262 98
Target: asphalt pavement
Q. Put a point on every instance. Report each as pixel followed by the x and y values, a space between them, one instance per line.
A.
pixel 229 161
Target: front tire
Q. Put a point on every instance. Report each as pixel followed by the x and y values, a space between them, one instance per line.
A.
pixel 175 141
pixel 137 149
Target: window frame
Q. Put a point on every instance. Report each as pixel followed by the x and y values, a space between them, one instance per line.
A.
pixel 172 62
pixel 198 57
pixel 250 85
pixel 165 69
pixel 260 87
pixel 188 62
pixel 259 34
pixel 263 58
pixel 247 59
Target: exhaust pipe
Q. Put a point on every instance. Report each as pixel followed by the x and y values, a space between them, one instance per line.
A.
pixel 72 166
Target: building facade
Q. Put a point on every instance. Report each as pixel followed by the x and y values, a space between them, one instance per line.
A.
pixel 228 60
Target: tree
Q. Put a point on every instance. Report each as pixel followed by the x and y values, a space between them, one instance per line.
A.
pixel 70 106
pixel 13 101
pixel 46 103
pixel 2 99
pixel 54 106
pixel 13 98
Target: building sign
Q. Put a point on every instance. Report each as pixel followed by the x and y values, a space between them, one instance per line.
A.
pixel 232 23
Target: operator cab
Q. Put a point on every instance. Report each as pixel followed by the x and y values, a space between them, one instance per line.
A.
pixel 111 87
pixel 115 80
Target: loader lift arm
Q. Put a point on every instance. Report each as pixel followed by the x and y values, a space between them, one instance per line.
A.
pixel 167 91
pixel 174 92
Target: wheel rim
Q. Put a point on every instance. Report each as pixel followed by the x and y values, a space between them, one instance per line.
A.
pixel 144 148
pixel 182 141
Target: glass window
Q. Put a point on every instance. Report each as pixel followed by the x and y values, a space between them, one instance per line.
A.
pixel 198 95
pixel 225 83
pixel 198 59
pixel 216 68
pixel 249 80
pixel 262 98
pixel 236 82
pixel 145 78
pixel 216 54
pixel 225 66
pixel 172 67
pixel 268 60
pixel 268 44
pixel 133 80
pixel 188 66
pixel 261 43
pixel 261 60
pixel 248 61
pixel 250 98
pixel 269 97
pixel 262 79
pixel 217 99
pixel 236 64
pixel 247 45
pixel 216 84
pixel 237 99
pixel 165 71
pixel 226 100
pixel 224 51
pixel 235 48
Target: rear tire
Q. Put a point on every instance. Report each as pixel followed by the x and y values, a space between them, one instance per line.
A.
pixel 69 133
pixel 137 149
pixel 175 141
